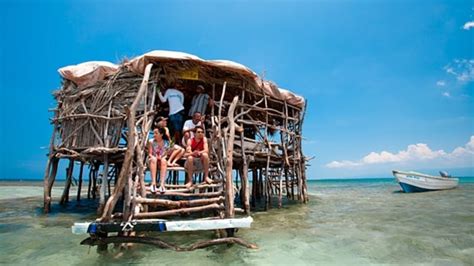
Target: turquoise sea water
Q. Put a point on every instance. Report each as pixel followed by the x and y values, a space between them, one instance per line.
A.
pixel 346 222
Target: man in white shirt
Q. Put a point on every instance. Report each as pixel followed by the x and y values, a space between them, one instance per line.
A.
pixel 175 100
pixel 189 126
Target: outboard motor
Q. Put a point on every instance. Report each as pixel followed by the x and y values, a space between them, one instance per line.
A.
pixel 444 174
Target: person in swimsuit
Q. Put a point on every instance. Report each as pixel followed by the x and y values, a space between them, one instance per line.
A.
pixel 158 149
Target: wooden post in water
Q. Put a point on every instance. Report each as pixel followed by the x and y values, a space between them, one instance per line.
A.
pixel 266 191
pixel 51 170
pixel 49 182
pixel 229 186
pixel 104 184
pixel 79 185
pixel 245 169
pixel 67 185
pixel 254 186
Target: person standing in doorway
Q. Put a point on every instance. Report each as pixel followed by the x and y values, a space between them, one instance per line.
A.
pixel 200 102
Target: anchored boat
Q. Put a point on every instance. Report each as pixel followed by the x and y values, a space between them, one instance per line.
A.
pixel 418 182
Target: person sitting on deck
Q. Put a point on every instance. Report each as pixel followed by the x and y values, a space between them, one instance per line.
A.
pixel 157 151
pixel 197 153
pixel 189 127
pixel 176 152
pixel 175 100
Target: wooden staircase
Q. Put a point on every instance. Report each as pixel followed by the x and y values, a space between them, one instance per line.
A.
pixel 179 200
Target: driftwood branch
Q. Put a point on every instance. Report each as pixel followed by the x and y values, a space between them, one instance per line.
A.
pixel 229 185
pixel 125 172
pixel 162 244
pixel 197 195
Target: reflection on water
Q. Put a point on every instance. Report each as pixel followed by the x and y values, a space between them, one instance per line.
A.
pixel 353 222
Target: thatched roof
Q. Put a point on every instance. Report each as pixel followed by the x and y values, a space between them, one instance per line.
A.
pixel 88 73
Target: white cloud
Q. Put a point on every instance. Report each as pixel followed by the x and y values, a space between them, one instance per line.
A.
pixel 441 83
pixel 341 164
pixel 462 69
pixel 466 151
pixel 460 156
pixel 446 94
pixel 468 25
pixel 382 157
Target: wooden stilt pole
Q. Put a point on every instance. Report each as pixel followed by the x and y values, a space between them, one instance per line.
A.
pixel 67 185
pixel 280 188
pixel 284 141
pixel 104 184
pixel 48 172
pixel 267 187
pixel 302 158
pixel 254 186
pixel 79 185
pixel 49 182
pixel 260 184
pixel 89 187
pixel 229 186
pixel 94 179
pixel 245 169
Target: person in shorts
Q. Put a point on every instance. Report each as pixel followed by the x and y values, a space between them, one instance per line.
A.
pixel 197 156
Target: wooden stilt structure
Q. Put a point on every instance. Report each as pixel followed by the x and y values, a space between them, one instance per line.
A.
pixel 103 120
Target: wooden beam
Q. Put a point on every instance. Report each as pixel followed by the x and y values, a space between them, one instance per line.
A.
pixel 182 211
pixel 179 203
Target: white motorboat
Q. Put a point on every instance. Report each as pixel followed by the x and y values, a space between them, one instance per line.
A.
pixel 418 182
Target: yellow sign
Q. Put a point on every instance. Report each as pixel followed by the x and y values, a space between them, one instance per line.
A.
pixel 192 74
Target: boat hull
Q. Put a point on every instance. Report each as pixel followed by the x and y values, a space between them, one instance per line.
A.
pixel 417 182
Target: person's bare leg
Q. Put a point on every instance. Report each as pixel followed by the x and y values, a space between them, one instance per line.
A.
pixel 171 156
pixel 176 154
pixel 179 155
pixel 205 164
pixel 153 163
pixel 163 165
pixel 189 165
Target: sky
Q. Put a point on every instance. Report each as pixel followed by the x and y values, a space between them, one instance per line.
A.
pixel 389 84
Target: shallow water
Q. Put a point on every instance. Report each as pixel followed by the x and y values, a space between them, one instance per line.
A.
pixel 345 222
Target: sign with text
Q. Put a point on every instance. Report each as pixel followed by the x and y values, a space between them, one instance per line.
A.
pixel 192 74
